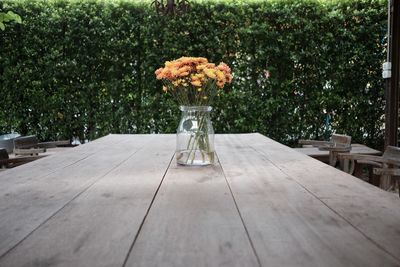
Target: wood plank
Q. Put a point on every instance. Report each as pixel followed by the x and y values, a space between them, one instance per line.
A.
pixel 54 162
pixel 288 225
pixel 26 141
pixel 372 211
pixel 14 162
pixel 57 161
pixel 29 151
pixel 25 203
pixel 324 155
pixel 53 150
pixel 193 222
pixel 98 227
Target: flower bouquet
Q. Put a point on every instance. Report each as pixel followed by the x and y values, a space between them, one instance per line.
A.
pixel 194 83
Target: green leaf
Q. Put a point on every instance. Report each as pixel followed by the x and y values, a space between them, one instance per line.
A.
pixel 18 19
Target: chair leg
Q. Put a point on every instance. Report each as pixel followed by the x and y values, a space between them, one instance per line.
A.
pixel 397 183
pixel 374 178
pixel 385 182
pixel 332 158
pixel 346 167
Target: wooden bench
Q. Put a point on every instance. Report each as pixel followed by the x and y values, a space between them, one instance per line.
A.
pixel 386 166
pixel 29 145
pixel 323 156
pixel 339 143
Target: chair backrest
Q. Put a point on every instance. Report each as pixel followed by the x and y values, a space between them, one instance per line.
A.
pixel 340 140
pixel 3 154
pixel 29 141
pixel 392 153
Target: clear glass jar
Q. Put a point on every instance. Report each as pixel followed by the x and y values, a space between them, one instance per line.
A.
pixel 195 136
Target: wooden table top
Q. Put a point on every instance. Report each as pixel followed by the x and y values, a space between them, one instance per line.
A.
pixel 122 201
pixel 355 149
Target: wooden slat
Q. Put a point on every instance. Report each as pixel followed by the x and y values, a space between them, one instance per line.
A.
pixel 26 203
pixel 57 161
pixel 288 225
pixel 193 222
pixel 43 167
pixel 53 144
pixel 98 227
pixel 296 210
pixel 13 162
pixel 372 211
pixel 324 155
pixel 28 151
pixel 26 141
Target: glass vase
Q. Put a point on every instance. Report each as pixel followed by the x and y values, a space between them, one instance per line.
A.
pixel 195 136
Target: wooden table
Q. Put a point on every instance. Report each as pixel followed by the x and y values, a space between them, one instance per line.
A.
pixel 323 155
pixel 122 201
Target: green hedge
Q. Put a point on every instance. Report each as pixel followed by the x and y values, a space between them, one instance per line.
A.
pixel 86 68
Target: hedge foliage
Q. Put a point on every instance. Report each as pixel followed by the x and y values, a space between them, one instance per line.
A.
pixel 86 68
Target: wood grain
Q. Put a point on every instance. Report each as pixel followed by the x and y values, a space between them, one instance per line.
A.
pixel 324 155
pixel 107 204
pixel 55 162
pixel 193 222
pixel 288 225
pixel 28 200
pixel 98 227
pixel 372 211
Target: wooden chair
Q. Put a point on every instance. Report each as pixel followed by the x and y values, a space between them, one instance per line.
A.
pixel 338 144
pixel 389 172
pixel 385 166
pixel 29 145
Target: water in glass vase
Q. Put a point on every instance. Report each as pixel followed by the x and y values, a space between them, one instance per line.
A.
pixel 198 158
pixel 195 137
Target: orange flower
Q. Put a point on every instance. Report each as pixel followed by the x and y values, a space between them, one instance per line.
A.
pixel 158 71
pixel 201 67
pixel 183 74
pixel 220 75
pixel 184 69
pixel 223 67
pixel 220 84
pixel 196 83
pixel 210 73
pixel 190 75
pixel 169 64
pixel 229 78
pixel 174 73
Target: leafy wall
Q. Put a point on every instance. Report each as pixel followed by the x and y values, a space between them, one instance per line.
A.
pixel 86 68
